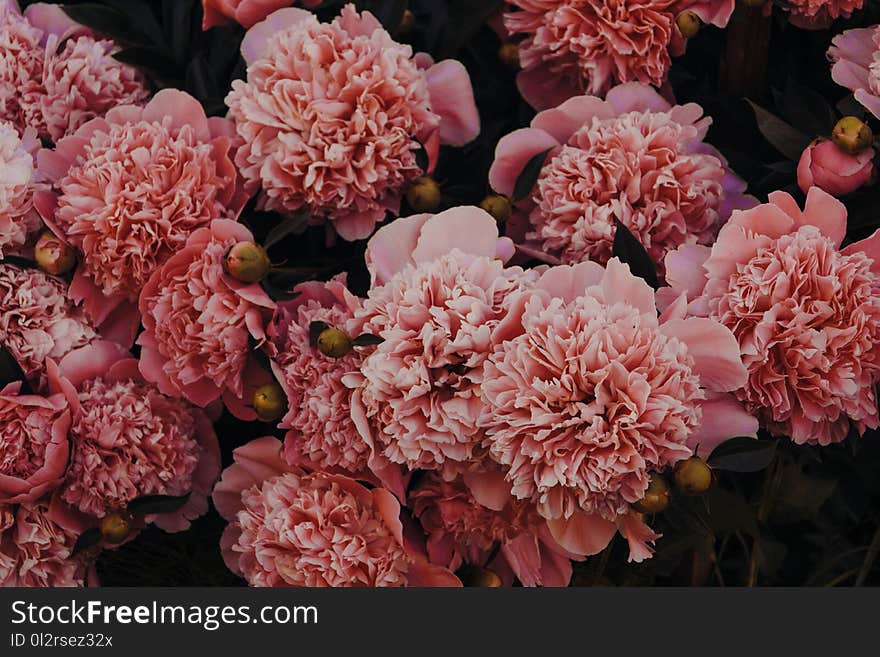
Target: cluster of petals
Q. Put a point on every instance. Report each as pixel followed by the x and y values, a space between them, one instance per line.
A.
pixel 246 13
pixel 805 313
pixel 332 116
pixel 632 158
pixel 587 46
pixel 18 218
pixel 855 57
pixel 816 14
pixel 288 527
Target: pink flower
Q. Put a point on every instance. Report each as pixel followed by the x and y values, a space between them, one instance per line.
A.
pixel 245 12
pixel 199 323
pixel 35 551
pixel 289 528
pixel 806 314
pixel 577 46
pixel 836 172
pixel 37 320
pixel 816 14
pixel 593 392
pixel 18 218
pixel 332 116
pixel 632 158
pixel 33 433
pixel 129 440
pixel 129 189
pixel 439 291
pixel 21 62
pixel 855 55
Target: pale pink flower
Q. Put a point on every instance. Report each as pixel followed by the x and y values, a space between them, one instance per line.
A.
pixel 816 14
pixel 129 440
pixel 21 62
pixel 246 13
pixel 19 220
pixel 439 291
pixel 593 392
pixel 805 313
pixel 38 320
pixel 129 189
pixel 35 551
pixel 632 158
pixel 289 528
pixel 33 437
pixel 201 325
pixel 855 55
pixel 332 116
pixel 826 166
pixel 570 47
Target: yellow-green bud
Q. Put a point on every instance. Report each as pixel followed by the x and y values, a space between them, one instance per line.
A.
pixel 508 53
pixel 688 23
pixel 334 343
pixel 851 135
pixel 247 262
pixel 475 576
pixel 693 476
pixel 270 402
pixel 424 195
pixel 498 206
pixel 54 256
pixel 656 497
pixel 407 23
pixel 115 528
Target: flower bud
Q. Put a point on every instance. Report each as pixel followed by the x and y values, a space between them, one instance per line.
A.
pixel 688 23
pixel 852 135
pixel 498 206
pixel 693 476
pixel 476 576
pixel 407 23
pixel 334 343
pixel 270 402
pixel 247 262
pixel 54 256
pixel 115 528
pixel 424 195
pixel 824 165
pixel 508 53
pixel 656 497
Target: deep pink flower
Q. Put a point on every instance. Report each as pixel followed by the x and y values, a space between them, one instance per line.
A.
pixel 855 55
pixel 244 12
pixel 21 62
pixel 37 320
pixel 439 291
pixel 199 323
pixel 816 14
pixel 129 189
pixel 593 392
pixel 35 551
pixel 33 438
pixel 806 314
pixel 19 220
pixel 332 116
pixel 829 168
pixel 289 528
pixel 129 440
pixel 632 158
pixel 570 47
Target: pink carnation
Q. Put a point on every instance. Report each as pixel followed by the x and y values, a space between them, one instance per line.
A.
pixel 37 320
pixel 289 528
pixel 439 292
pixel 244 12
pixel 129 189
pixel 855 55
pixel 33 434
pixel 806 314
pixel 632 158
pixel 35 551
pixel 593 392
pixel 129 440
pixel 577 46
pixel 816 14
pixel 21 62
pixel 18 218
pixel 332 116
pixel 200 323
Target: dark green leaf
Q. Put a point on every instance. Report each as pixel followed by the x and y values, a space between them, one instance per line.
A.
pixel 526 180
pixel 367 340
pixel 18 261
pixel 788 140
pixel 108 21
pixel 422 160
pixel 150 504
pixel 630 251
pixel 295 224
pixel 278 294
pixel 151 60
pixel 389 13
pixel 315 330
pixel 806 109
pixel 89 538
pixel 729 513
pixel 10 371
pixel 743 454
pixel 800 495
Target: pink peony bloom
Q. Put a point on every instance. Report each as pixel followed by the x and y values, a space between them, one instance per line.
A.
pixel 632 158
pixel 19 220
pixel 35 551
pixel 806 314
pixel 332 116
pixel 826 166
pixel 816 14
pixel 129 440
pixel 21 62
pixel 593 392
pixel 245 12
pixel 33 436
pixel 199 323
pixel 289 528
pixel 855 55
pixel 587 46
pixel 439 291
pixel 37 320
pixel 129 189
